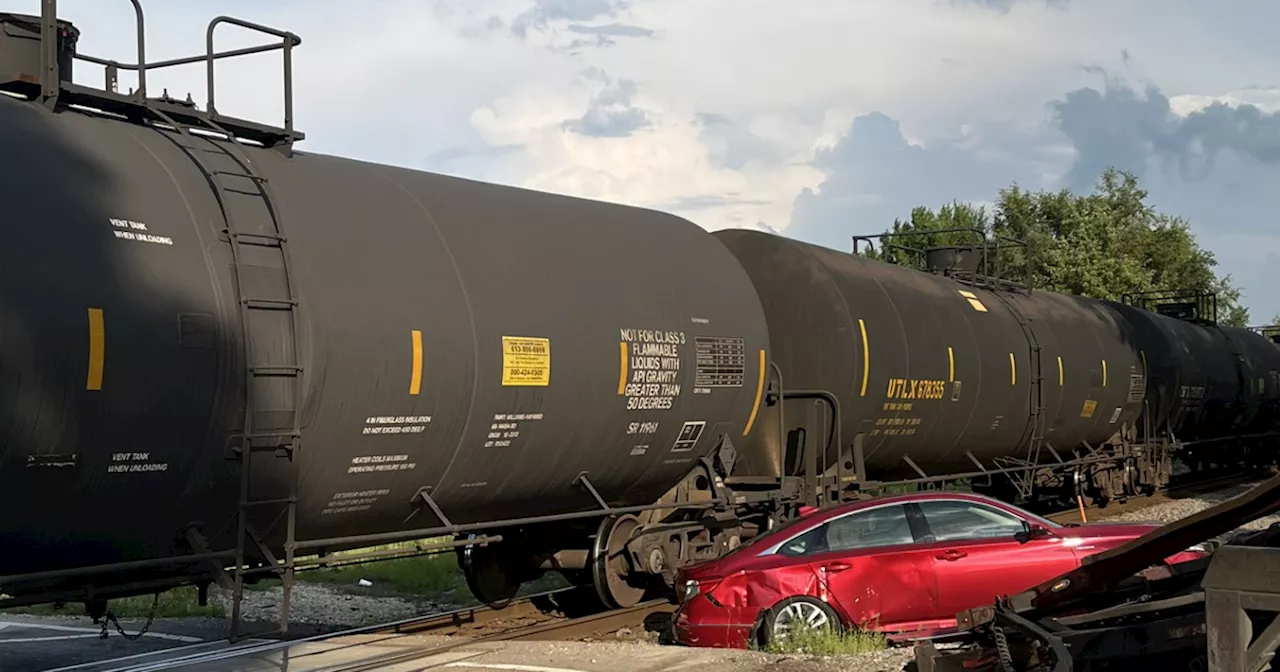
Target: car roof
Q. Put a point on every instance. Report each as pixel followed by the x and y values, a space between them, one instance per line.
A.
pixel 903 498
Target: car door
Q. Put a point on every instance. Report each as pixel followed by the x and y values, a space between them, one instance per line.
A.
pixel 980 552
pixel 871 567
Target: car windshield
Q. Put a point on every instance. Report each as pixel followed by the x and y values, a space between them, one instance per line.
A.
pixel 775 533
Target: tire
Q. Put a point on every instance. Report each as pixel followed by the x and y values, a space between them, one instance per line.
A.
pixel 812 610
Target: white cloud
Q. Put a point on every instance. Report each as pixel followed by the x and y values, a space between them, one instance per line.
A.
pixel 1266 99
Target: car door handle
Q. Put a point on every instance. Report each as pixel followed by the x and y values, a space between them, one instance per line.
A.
pixel 951 555
pixel 837 566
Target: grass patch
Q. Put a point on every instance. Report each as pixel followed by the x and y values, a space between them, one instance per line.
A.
pixel 434 577
pixel 827 642
pixel 176 603
pixel 424 576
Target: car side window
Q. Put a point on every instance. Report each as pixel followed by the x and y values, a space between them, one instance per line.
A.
pixel 883 526
pixel 951 520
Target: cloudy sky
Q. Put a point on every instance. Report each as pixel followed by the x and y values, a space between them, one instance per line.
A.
pixel 819 119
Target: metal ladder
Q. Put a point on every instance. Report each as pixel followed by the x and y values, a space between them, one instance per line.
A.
pixel 1036 393
pixel 259 306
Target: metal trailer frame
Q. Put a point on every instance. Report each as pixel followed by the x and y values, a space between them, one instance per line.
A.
pixel 1217 614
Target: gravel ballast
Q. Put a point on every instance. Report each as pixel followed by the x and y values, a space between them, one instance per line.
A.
pixel 1169 512
pixel 320 604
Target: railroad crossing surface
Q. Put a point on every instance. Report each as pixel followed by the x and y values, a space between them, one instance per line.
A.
pixel 75 645
pixel 381 652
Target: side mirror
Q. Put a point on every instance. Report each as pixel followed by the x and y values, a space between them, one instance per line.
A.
pixel 806 511
pixel 1032 531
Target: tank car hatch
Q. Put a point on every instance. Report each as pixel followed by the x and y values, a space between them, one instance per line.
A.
pixel 952 258
pixel 20 50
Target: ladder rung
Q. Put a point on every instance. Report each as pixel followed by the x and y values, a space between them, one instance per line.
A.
pixel 276 448
pixel 267 502
pixel 270 304
pixel 275 370
pixel 202 150
pixel 246 176
pixel 271 237
pixel 274 435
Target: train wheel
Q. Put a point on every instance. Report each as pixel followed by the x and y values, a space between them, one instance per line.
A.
pixel 488 577
pixel 610 568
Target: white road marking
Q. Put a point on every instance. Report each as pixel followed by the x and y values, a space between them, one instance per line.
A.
pixel 93 632
pixel 144 654
pixel 513 667
pixel 19 640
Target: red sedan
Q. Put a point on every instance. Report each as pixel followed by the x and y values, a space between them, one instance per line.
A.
pixel 903 565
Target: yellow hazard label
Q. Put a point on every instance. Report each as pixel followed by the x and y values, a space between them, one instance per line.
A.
pixel 973 301
pixel 526 361
pixel 1089 406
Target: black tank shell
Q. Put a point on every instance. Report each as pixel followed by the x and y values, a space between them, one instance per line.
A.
pixel 930 369
pixel 486 342
pixel 1206 382
pixel 1260 381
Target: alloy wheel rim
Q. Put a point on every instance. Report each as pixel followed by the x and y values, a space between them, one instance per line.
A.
pixel 799 613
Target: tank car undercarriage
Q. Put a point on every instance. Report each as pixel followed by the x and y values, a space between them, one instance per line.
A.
pixel 1094 475
pixel 617 559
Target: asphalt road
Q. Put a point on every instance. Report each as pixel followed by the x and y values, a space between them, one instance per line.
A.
pixel 37 644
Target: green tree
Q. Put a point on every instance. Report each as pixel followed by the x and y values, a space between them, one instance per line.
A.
pixel 1100 245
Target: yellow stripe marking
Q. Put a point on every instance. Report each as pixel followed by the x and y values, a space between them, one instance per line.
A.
pixel 97 348
pixel 973 300
pixel 415 379
pixel 1059 370
pixel 622 367
pixel 951 365
pixel 866 357
pixel 755 408
pixel 1013 370
pixel 1104 373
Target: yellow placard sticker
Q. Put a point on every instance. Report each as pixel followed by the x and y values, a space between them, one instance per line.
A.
pixel 973 300
pixel 1087 410
pixel 526 361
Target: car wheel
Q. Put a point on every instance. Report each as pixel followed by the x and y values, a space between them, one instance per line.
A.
pixel 794 612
